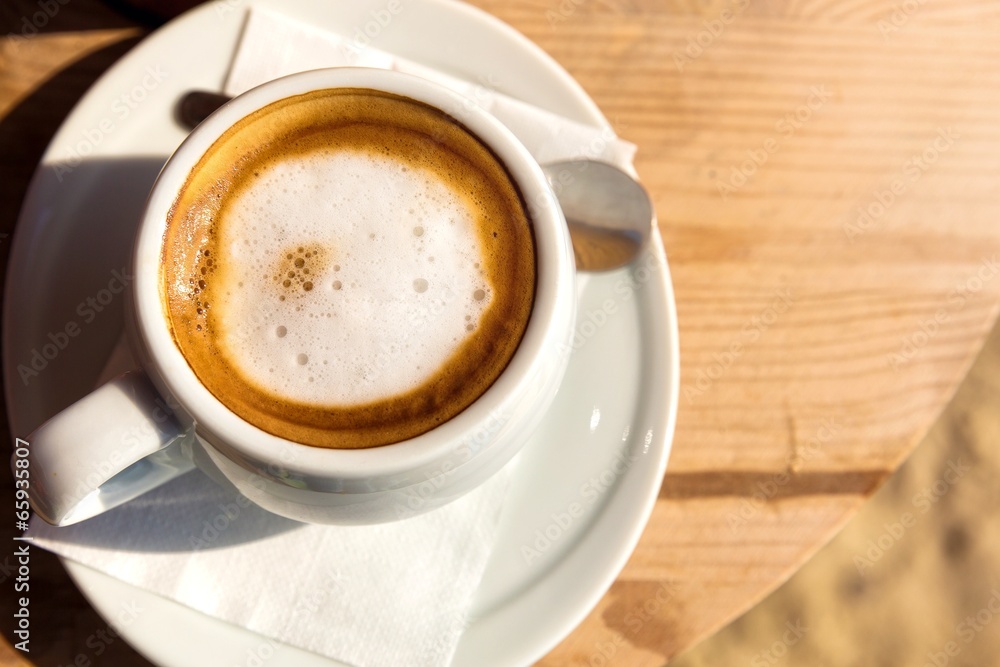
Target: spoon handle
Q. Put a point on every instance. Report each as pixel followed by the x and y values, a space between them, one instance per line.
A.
pixel 197 105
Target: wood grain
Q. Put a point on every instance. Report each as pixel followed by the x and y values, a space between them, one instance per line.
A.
pixel 825 318
pixel 816 348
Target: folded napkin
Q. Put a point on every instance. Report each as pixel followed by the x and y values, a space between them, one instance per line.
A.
pixel 274 46
pixel 371 596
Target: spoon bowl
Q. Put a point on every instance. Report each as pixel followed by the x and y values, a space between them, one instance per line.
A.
pixel 609 214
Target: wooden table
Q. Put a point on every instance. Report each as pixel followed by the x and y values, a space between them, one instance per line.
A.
pixel 826 176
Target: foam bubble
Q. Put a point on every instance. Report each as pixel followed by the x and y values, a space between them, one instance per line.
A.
pixel 363 314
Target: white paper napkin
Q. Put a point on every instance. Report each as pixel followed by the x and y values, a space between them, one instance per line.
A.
pixel 274 45
pixel 371 596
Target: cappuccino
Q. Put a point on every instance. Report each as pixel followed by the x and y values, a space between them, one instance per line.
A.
pixel 348 268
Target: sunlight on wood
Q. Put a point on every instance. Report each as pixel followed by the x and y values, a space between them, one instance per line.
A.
pixel 28 62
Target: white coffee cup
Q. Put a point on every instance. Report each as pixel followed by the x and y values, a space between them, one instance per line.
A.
pixel 150 425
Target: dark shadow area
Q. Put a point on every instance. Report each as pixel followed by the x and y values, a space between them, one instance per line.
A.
pixel 67 304
pixel 28 18
pixel 152 13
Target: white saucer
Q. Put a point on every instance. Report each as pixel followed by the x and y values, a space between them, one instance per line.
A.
pixel 603 450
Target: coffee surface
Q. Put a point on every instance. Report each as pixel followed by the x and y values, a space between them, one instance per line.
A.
pixel 348 268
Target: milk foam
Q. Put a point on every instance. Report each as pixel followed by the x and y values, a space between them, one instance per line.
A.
pixel 350 277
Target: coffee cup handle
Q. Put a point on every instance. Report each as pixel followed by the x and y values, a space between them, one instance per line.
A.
pixel 109 447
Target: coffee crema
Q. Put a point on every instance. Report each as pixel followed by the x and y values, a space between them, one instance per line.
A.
pixel 348 268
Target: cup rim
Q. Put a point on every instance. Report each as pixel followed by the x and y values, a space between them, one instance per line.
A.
pixel 228 431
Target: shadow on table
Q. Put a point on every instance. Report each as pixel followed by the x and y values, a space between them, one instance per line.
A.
pixel 27 19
